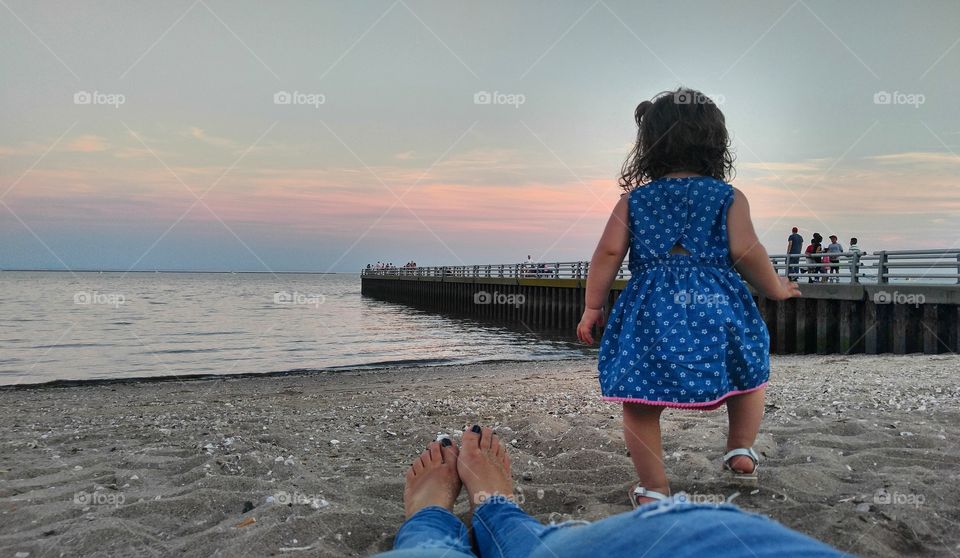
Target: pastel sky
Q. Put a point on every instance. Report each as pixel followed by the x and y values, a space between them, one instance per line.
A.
pixel 182 159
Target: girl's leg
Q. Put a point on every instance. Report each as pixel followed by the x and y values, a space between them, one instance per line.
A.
pixel 744 413
pixel 641 430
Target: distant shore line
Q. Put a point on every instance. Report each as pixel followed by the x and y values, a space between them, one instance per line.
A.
pixel 179 271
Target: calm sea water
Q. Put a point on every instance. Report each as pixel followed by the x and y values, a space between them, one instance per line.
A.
pixel 94 326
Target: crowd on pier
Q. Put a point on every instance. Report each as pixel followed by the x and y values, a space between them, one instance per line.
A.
pixel 823 262
pixel 389 265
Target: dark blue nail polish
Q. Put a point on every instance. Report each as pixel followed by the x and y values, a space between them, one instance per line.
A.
pixel 476 428
pixel 446 442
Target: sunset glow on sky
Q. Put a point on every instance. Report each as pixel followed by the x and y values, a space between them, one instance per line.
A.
pixel 843 117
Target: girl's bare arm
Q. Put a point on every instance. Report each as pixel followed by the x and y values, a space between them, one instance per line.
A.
pixel 604 266
pixel 750 257
pixel 608 257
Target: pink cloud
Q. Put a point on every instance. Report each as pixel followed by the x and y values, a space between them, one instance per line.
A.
pixel 86 144
pixel 477 198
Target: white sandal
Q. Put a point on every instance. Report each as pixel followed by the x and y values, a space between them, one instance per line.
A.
pixel 745 479
pixel 642 492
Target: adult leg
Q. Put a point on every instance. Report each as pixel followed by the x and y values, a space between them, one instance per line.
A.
pixel 641 431
pixel 678 529
pixel 433 532
pixel 501 528
pixel 744 414
pixel 431 529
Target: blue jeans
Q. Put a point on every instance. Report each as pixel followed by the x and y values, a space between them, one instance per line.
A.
pixel 674 528
pixel 793 271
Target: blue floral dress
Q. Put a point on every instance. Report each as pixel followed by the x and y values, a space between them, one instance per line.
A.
pixel 685 331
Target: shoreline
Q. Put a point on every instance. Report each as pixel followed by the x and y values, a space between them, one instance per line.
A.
pixel 856 452
pixel 381 367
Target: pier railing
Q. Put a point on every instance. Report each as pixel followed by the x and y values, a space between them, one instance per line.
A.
pixel 552 270
pixel 940 266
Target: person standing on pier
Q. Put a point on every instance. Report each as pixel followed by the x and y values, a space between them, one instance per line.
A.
pixel 854 246
pixel 834 248
pixel 685 331
pixel 794 247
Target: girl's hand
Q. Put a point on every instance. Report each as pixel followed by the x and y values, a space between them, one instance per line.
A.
pixel 591 317
pixel 788 289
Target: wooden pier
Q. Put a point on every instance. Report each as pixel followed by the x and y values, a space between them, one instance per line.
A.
pixel 890 314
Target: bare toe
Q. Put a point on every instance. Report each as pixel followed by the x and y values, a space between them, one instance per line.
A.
pixel 449 452
pixel 433 452
pixel 487 438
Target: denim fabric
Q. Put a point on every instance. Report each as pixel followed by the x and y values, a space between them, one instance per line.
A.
pixel 432 532
pixel 677 529
pixel 671 528
pixel 503 530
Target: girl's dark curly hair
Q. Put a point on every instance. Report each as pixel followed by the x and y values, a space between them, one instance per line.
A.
pixel 680 130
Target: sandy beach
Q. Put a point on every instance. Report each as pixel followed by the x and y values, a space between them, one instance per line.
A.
pixel 860 452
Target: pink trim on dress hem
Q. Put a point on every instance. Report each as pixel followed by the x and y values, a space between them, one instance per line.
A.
pixel 706 405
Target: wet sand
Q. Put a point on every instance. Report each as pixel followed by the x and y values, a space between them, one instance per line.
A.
pixel 859 451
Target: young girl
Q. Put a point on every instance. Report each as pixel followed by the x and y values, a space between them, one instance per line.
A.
pixel 685 331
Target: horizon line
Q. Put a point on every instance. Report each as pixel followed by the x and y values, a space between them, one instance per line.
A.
pixel 61 270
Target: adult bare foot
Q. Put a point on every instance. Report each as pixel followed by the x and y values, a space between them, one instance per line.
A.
pixel 484 466
pixel 432 479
